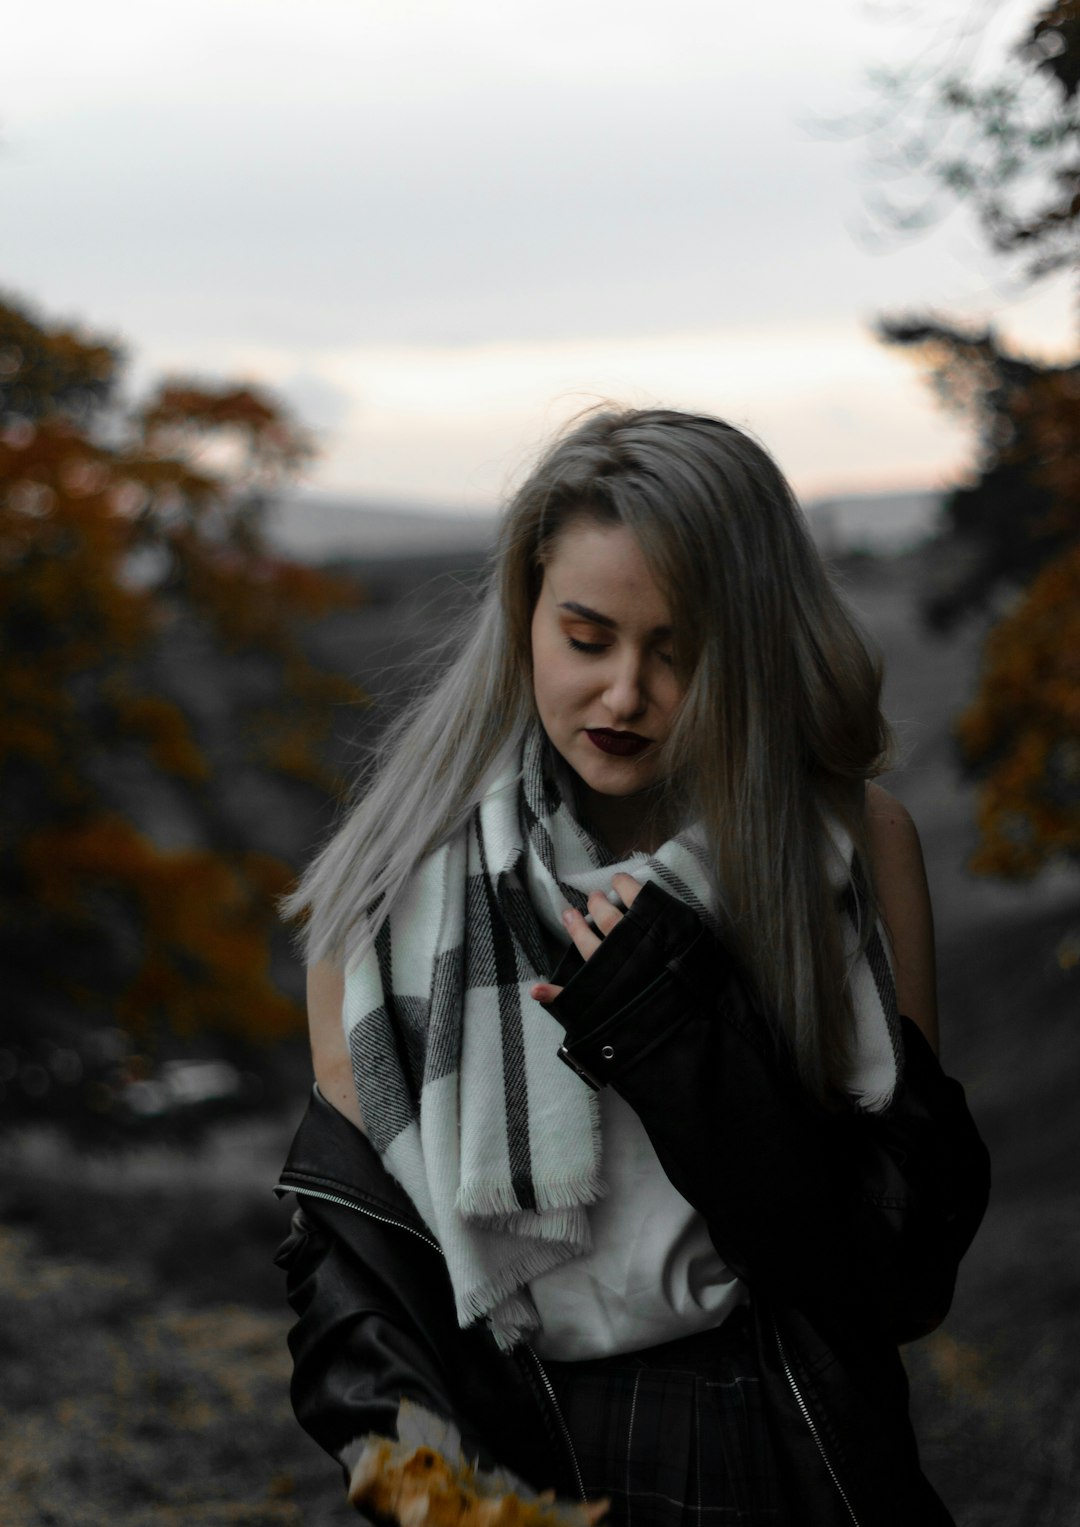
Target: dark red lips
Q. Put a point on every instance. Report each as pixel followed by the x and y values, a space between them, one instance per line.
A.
pixel 622 744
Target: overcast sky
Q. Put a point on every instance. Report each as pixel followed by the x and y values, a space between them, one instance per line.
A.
pixel 439 227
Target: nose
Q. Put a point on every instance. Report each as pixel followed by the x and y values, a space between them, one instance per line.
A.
pixel 624 694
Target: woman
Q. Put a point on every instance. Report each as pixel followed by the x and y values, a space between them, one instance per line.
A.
pixel 622 1159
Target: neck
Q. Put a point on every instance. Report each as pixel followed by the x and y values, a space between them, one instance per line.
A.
pixel 626 823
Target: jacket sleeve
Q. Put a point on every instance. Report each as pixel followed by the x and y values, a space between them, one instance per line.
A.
pixel 864 1213
pixel 376 1324
pixel 357 1346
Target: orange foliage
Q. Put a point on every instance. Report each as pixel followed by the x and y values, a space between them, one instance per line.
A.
pixel 204 959
pixel 44 369
pixel 181 410
pixel 112 540
pixel 1023 727
pixel 244 591
pixel 408 1485
pixel 165 728
pixel 1022 730
pixel 1048 410
pixel 63 546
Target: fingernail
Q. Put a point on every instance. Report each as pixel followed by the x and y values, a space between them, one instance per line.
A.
pixel 568 916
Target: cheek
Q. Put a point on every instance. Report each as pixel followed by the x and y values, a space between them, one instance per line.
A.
pixel 668 698
pixel 536 652
pixel 541 665
pixel 554 685
pixel 674 697
pixel 546 686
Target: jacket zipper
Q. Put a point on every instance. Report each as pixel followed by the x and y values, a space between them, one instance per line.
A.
pixel 383 1219
pixel 558 1416
pixel 808 1418
pixel 347 1203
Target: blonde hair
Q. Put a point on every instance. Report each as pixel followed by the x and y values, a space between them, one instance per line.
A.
pixel 778 731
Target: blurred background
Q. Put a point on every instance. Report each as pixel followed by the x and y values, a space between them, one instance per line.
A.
pixel 289 296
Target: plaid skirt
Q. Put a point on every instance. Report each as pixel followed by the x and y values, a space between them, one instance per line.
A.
pixel 675 1435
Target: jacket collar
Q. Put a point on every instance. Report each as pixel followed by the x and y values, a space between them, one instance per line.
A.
pixel 329 1155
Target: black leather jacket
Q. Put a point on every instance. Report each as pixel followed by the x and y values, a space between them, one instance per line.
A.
pixel 847 1227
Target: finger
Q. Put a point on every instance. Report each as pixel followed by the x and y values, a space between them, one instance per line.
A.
pixel 543 992
pixel 604 915
pixel 593 1510
pixel 585 940
pixel 628 888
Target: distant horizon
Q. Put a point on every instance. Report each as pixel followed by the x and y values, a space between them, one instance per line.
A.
pixel 315 523
pixel 406 502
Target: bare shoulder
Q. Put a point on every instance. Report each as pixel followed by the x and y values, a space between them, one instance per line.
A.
pixel 895 847
pixel 329 1051
pixel 885 813
pixel 904 898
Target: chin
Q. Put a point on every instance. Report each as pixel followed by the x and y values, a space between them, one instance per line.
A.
pixel 613 776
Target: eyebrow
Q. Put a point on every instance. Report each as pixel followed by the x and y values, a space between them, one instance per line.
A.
pixel 604 620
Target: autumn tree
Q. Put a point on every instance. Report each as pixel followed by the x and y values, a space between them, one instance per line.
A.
pixel 161 723
pixel 1017 519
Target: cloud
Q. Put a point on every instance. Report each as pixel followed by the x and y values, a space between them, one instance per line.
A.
pixel 457 425
pixel 321 405
pixel 439 228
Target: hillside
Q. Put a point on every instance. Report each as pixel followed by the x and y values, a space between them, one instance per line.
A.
pixel 321 526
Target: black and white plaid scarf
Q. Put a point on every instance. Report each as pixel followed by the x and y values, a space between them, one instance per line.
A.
pixel 497 1142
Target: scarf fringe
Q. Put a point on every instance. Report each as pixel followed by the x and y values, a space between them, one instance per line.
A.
pixel 873 1101
pixel 568 1225
pixel 503 1292
pixel 514 1321
pixel 488 1201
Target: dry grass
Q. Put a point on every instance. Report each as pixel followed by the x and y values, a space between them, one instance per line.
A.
pixel 127 1401
pixel 994 1394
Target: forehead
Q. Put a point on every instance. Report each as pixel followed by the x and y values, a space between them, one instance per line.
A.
pixel 589 562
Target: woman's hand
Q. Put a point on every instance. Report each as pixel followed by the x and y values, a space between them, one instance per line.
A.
pixel 604 915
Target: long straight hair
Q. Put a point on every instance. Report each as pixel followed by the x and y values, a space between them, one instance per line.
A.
pixel 778 730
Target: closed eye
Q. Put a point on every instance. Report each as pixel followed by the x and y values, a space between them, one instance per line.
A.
pixel 596 647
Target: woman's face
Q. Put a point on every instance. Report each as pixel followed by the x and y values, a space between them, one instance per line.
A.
pixel 603 672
